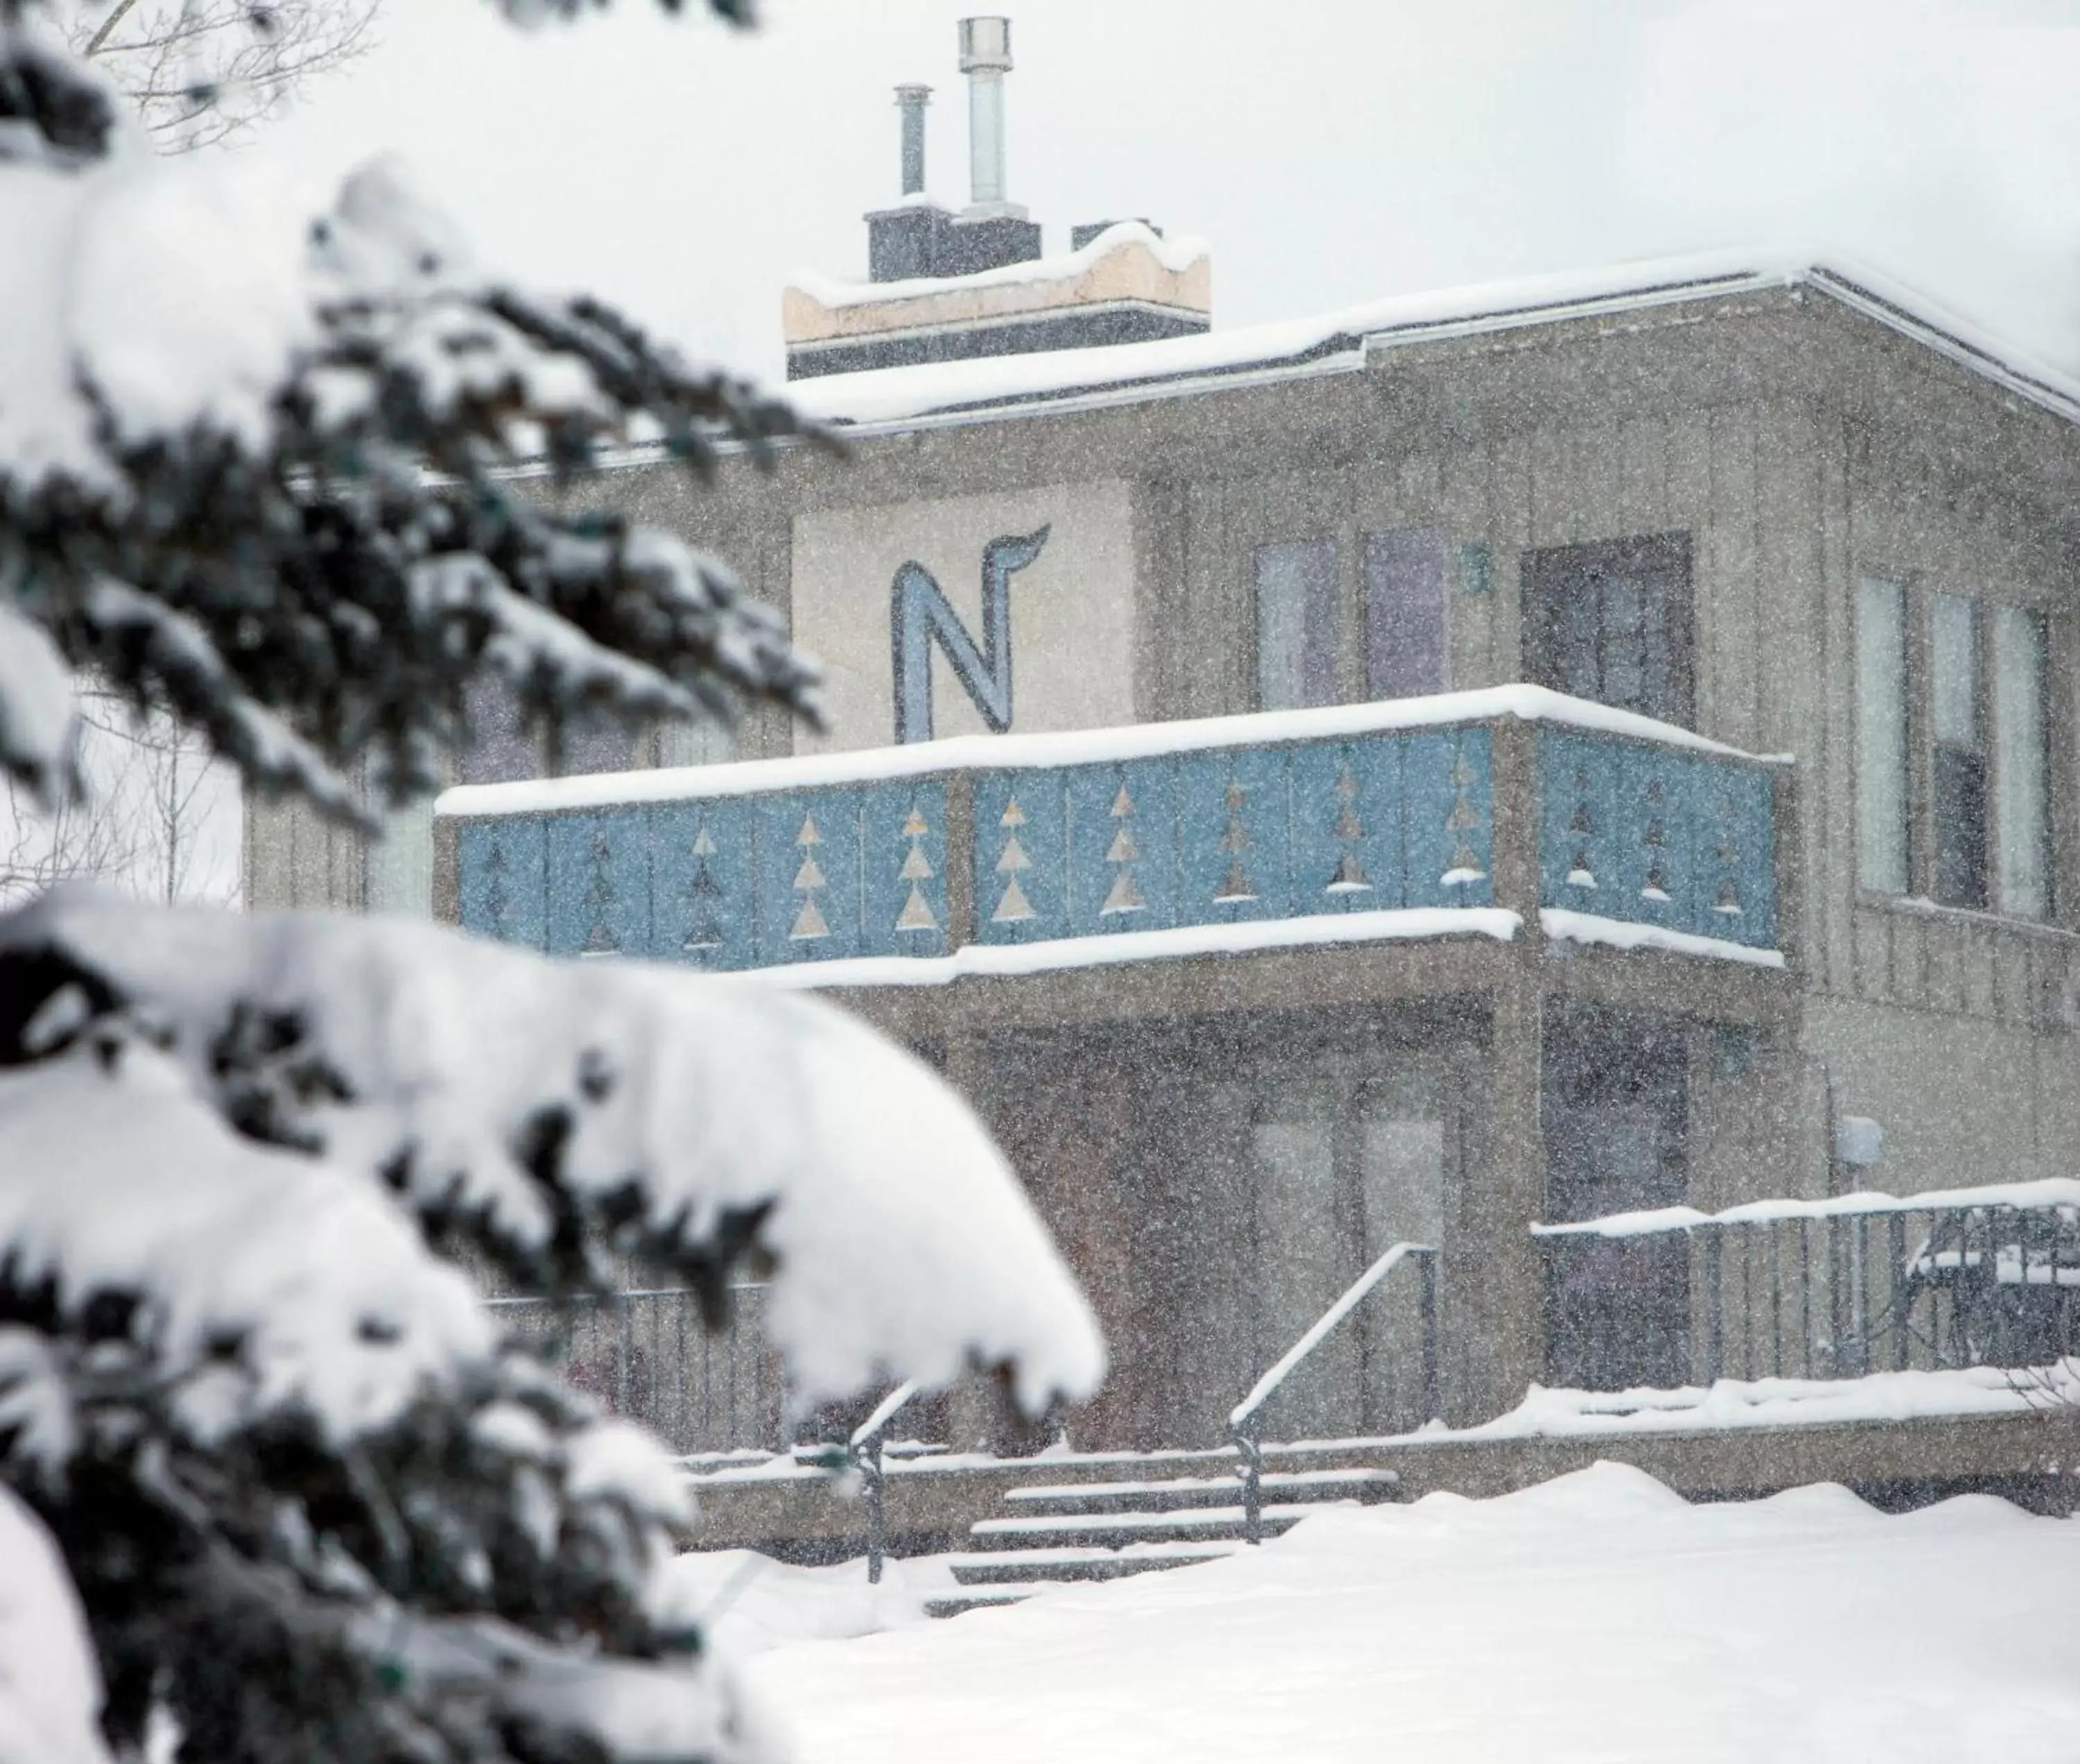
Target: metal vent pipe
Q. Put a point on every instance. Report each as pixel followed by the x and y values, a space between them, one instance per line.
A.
pixel 911 100
pixel 986 58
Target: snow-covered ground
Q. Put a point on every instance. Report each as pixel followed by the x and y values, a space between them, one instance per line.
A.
pixel 746 1603
pixel 1597 1616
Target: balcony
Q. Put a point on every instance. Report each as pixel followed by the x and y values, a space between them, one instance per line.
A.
pixel 1469 815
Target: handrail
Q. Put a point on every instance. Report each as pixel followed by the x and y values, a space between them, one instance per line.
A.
pixel 884 1413
pixel 1242 1419
pixel 864 1449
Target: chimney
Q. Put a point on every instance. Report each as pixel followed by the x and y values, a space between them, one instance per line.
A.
pixel 986 58
pixel 911 100
pixel 991 232
pixel 908 240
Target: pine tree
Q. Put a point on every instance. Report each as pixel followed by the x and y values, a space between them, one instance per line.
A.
pixel 312 1504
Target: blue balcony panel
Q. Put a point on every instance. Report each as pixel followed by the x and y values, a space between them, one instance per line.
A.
pixel 1577 846
pixel 1349 846
pixel 902 869
pixel 1735 830
pixel 1448 819
pixel 1234 836
pixel 704 883
pixel 599 884
pixel 502 879
pixel 1655 837
pixel 809 877
pixel 1021 856
pixel 1123 847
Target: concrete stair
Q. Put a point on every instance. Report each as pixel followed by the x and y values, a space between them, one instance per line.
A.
pixel 1063 1535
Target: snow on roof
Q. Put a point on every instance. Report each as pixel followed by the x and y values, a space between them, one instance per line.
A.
pixel 1175 255
pixel 1340 341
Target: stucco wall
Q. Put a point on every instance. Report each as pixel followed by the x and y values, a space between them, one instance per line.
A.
pixel 1072 609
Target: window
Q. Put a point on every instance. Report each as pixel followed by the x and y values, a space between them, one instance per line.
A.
pixel 1405 613
pixel 500 749
pixel 1958 778
pixel 1295 623
pixel 1612 622
pixel 2022 763
pixel 705 743
pixel 595 744
pixel 1881 737
pixel 398 878
pixel 1971 788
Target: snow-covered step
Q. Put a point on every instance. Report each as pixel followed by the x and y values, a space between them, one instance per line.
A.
pixel 1111 1531
pixel 993 1597
pixel 1286 1486
pixel 999 1568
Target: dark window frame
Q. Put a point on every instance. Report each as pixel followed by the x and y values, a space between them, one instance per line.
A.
pixel 1557 579
pixel 1405 581
pixel 1957 804
pixel 1948 783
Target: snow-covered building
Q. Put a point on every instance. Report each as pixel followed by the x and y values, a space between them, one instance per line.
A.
pixel 1473 765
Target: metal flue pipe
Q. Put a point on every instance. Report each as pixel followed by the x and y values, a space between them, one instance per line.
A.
pixel 911 101
pixel 986 58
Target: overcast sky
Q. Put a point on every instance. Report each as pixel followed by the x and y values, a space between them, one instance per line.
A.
pixel 1331 151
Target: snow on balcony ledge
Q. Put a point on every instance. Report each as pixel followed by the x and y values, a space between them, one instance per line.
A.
pixel 1564 926
pixel 1072 747
pixel 976 961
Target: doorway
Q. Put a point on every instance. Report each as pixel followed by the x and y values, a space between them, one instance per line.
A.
pixel 1615 1109
pixel 1341 1171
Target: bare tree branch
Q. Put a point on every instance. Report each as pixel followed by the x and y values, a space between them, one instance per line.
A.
pixel 151 805
pixel 95 43
pixel 201 72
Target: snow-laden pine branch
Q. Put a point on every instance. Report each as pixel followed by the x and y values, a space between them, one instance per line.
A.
pixel 50 1693
pixel 270 1423
pixel 253 459
pixel 554 1114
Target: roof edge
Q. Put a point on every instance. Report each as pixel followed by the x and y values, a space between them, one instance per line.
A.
pixel 887 400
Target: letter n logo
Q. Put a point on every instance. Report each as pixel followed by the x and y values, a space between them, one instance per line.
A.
pixel 919 616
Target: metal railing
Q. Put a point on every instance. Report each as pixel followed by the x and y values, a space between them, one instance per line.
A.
pixel 645 1354
pixel 1245 1420
pixel 1817 1290
pixel 864 1450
